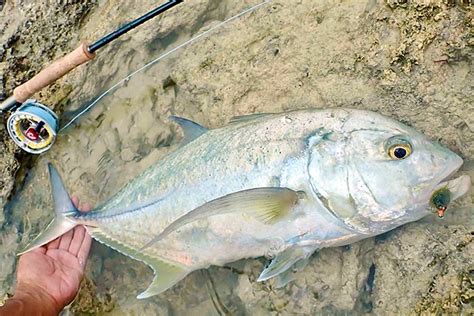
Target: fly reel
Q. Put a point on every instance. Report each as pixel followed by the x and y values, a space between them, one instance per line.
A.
pixel 33 127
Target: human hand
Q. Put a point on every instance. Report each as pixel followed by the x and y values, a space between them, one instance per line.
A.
pixel 56 269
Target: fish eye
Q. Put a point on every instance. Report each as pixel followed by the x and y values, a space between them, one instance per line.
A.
pixel 399 151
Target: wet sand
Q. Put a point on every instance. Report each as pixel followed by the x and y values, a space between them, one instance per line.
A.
pixel 410 60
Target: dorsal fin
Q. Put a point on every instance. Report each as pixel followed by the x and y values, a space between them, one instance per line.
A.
pixel 246 118
pixel 191 129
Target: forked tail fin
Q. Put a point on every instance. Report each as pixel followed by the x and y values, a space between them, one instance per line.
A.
pixel 63 207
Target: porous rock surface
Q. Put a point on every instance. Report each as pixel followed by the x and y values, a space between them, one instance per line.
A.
pixel 410 60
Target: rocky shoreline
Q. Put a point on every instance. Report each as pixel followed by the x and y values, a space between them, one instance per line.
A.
pixel 411 60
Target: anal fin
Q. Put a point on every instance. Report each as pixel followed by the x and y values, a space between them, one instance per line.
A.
pixel 166 272
pixel 166 275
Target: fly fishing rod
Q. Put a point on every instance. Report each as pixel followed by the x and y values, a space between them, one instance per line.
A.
pixel 32 125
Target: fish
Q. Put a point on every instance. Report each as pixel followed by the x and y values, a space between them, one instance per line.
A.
pixel 278 185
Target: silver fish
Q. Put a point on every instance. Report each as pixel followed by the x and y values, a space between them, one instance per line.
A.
pixel 276 185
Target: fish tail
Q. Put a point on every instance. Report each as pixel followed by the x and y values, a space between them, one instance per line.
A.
pixel 63 208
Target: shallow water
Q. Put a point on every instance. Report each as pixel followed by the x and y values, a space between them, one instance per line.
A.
pixel 281 57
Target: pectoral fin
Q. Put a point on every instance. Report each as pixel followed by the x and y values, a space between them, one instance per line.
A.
pixel 265 204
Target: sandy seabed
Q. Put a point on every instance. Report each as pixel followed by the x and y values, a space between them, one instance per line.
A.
pixel 410 60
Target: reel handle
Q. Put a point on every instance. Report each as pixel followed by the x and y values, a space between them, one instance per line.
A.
pixel 52 73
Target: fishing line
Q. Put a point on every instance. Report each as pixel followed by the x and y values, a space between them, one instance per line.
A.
pixel 151 63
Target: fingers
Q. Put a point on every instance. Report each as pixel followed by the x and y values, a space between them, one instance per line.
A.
pixel 83 252
pixel 72 240
pixel 86 207
pixel 65 240
pixel 54 244
pixel 81 241
pixel 41 250
pixel 76 242
pixel 75 201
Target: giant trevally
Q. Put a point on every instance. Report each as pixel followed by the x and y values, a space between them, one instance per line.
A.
pixel 276 185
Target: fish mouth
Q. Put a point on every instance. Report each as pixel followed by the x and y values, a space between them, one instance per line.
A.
pixel 457 186
pixel 449 187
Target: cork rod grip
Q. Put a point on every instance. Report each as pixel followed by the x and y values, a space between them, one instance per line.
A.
pixel 52 73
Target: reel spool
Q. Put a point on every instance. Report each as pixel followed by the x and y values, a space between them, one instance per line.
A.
pixel 33 127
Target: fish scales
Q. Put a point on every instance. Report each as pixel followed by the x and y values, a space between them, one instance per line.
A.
pixel 247 155
pixel 275 185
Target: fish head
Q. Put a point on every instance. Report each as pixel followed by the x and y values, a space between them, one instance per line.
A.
pixel 375 173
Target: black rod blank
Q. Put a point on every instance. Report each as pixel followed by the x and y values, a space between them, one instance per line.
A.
pixel 131 25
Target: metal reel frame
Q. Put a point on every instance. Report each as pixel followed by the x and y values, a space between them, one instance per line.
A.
pixel 23 123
